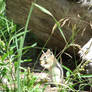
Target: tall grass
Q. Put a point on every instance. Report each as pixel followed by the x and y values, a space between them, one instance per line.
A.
pixel 11 52
pixel 76 74
pixel 22 43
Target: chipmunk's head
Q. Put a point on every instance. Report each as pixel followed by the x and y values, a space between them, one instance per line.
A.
pixel 47 59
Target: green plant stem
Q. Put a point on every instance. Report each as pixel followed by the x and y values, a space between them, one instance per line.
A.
pixel 21 46
pixel 59 27
pixel 19 59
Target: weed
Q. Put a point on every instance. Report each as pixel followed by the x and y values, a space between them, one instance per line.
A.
pixel 11 52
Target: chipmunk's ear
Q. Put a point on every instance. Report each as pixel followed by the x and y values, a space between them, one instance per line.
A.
pixel 48 50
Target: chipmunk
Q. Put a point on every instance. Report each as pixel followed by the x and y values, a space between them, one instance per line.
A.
pixel 48 61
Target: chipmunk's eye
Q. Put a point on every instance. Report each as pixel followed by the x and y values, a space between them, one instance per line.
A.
pixel 50 53
pixel 44 57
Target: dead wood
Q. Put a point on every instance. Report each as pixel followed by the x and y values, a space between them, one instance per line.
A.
pixel 41 24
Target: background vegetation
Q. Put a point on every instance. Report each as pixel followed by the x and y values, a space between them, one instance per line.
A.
pixel 12 48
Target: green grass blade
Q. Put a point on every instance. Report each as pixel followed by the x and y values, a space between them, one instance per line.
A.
pixel 43 9
pixel 58 24
pixel 86 76
pixel 60 29
pixel 21 45
pixel 19 60
pixel 67 69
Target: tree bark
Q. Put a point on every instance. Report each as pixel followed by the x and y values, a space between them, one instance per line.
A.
pixel 78 18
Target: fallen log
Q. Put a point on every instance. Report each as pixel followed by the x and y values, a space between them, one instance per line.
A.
pixel 77 14
pixel 86 55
